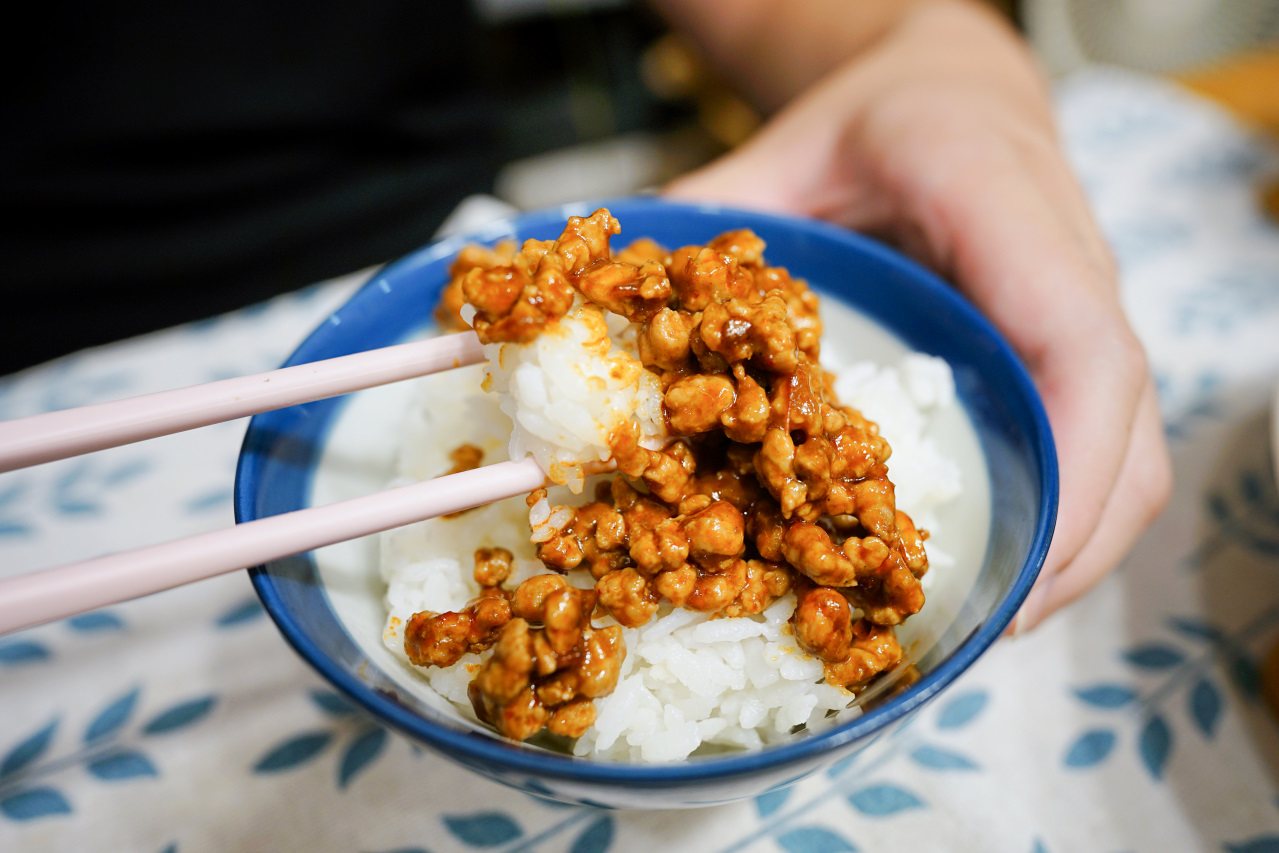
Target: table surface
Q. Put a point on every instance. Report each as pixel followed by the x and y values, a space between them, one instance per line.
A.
pixel 1134 720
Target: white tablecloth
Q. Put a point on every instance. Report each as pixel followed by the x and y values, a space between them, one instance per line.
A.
pixel 1131 721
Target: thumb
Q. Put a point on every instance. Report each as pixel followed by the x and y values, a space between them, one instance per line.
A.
pixel 789 166
pixel 744 177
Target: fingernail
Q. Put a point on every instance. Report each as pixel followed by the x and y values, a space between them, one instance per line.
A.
pixel 1032 608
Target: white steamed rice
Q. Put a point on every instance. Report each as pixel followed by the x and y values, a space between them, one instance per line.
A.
pixel 570 388
pixel 690 682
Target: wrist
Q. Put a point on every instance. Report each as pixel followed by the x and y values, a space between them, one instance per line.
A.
pixel 949 47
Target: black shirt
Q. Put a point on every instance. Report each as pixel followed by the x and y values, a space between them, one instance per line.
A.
pixel 168 161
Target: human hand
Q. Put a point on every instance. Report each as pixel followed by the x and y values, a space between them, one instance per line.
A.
pixel 940 138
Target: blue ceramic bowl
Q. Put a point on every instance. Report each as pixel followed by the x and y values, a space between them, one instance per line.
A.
pixel 283 450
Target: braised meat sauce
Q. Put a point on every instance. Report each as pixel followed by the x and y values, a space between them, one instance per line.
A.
pixel 769 485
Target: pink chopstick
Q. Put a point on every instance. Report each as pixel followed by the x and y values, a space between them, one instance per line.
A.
pixel 58 435
pixel 43 596
pixel 56 593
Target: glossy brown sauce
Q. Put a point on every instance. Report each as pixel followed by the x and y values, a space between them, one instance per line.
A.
pixel 770 484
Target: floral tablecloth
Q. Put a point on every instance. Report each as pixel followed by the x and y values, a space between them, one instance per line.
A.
pixel 1133 721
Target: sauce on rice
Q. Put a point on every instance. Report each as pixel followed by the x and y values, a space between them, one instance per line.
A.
pixel 765 485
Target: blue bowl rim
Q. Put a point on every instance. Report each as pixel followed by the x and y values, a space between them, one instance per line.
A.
pixel 494 752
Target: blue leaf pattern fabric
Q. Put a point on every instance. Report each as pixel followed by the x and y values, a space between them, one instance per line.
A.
pixel 331 703
pixel 17 652
pixel 883 799
pixel 180 716
pixel 34 803
pixel 362 752
pixel 242 612
pixel 121 765
pixel 596 838
pixel 1205 707
pixel 838 767
pixel 292 752
pixel 99 620
pixel 9 527
pixel 962 709
pixel 937 758
pixel 112 717
pixel 1154 656
pixel 1133 720
pixel 1092 747
pixel 1195 628
pixel 28 750
pixel 766 804
pixel 813 839
pixel 1107 695
pixel 485 829
pixel 1155 744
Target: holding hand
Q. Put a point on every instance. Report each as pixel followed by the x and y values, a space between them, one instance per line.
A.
pixel 937 134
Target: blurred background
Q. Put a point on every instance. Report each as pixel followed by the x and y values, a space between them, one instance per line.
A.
pixel 169 162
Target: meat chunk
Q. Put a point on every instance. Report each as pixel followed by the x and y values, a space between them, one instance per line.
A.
pixel 627 597
pixel 696 404
pixel 493 566
pixel 823 622
pixel 547 676
pixel 514 302
pixel 635 292
pixel 442 639
pixel 874 649
pixel 810 550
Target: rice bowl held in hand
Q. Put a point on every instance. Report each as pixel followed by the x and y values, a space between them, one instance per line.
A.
pixel 767 533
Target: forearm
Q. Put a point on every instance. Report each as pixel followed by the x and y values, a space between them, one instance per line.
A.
pixel 774 50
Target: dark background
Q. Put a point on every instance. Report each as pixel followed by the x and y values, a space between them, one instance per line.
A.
pixel 169 161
